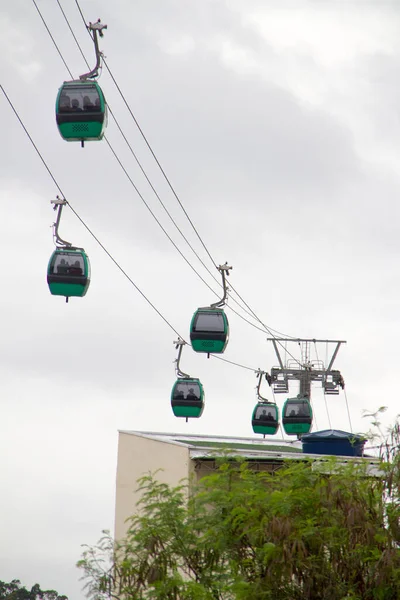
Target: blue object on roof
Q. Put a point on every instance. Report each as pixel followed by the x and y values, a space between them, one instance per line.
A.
pixel 333 442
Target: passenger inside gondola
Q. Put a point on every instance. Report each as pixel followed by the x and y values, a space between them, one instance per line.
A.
pixel 184 392
pixel 87 103
pixel 300 409
pixel 67 264
pixel 62 267
pixel 75 269
pixel 65 103
pixel 75 105
pixel 262 415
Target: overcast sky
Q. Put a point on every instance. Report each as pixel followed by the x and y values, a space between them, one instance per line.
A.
pixel 278 124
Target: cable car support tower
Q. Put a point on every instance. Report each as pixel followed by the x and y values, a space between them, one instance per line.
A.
pixel 305 370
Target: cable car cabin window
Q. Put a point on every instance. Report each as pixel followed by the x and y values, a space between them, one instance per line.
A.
pixel 67 264
pixel 79 98
pixel 209 321
pixel 299 409
pixel 187 390
pixel 265 414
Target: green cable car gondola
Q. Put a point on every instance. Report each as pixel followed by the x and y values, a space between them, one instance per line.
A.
pixel 297 416
pixel 265 418
pixel 81 111
pixel 187 398
pixel 68 272
pixel 187 395
pixel 209 330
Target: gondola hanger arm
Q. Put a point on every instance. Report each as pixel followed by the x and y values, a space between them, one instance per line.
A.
pixel 179 343
pixel 224 270
pixel 59 203
pixel 97 28
pixel 259 375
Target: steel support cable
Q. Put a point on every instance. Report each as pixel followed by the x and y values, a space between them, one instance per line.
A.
pixel 266 327
pixel 137 160
pixel 231 362
pixel 168 181
pixel 155 191
pixel 149 147
pixel 325 399
pixel 120 163
pixel 175 194
pixel 152 187
pixel 83 222
pixel 72 33
pixel 87 64
pixel 153 215
pixel 314 417
pixel 348 410
pixel 53 40
pixel 327 412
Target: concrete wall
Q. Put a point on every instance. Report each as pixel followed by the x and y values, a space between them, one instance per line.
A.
pixel 139 456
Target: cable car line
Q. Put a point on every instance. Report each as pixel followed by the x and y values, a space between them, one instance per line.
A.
pixel 151 150
pixel 136 158
pixel 73 35
pixel 251 313
pixel 106 251
pixel 142 169
pixel 83 222
pixel 126 173
pixel 153 215
pixel 348 410
pixel 140 195
pixel 32 142
pixel 158 196
pixel 231 362
pixel 53 40
pixel 170 184
pixel 325 399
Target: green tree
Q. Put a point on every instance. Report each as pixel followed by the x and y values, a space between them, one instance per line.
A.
pixel 302 532
pixel 15 591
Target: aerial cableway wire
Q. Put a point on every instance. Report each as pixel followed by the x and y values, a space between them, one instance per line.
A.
pixel 97 239
pixel 267 329
pixel 155 192
pixel 149 147
pixel 142 198
pixel 153 189
pixel 53 40
pixel 249 312
pixel 120 163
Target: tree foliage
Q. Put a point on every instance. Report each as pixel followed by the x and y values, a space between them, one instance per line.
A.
pixel 15 591
pixel 302 532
